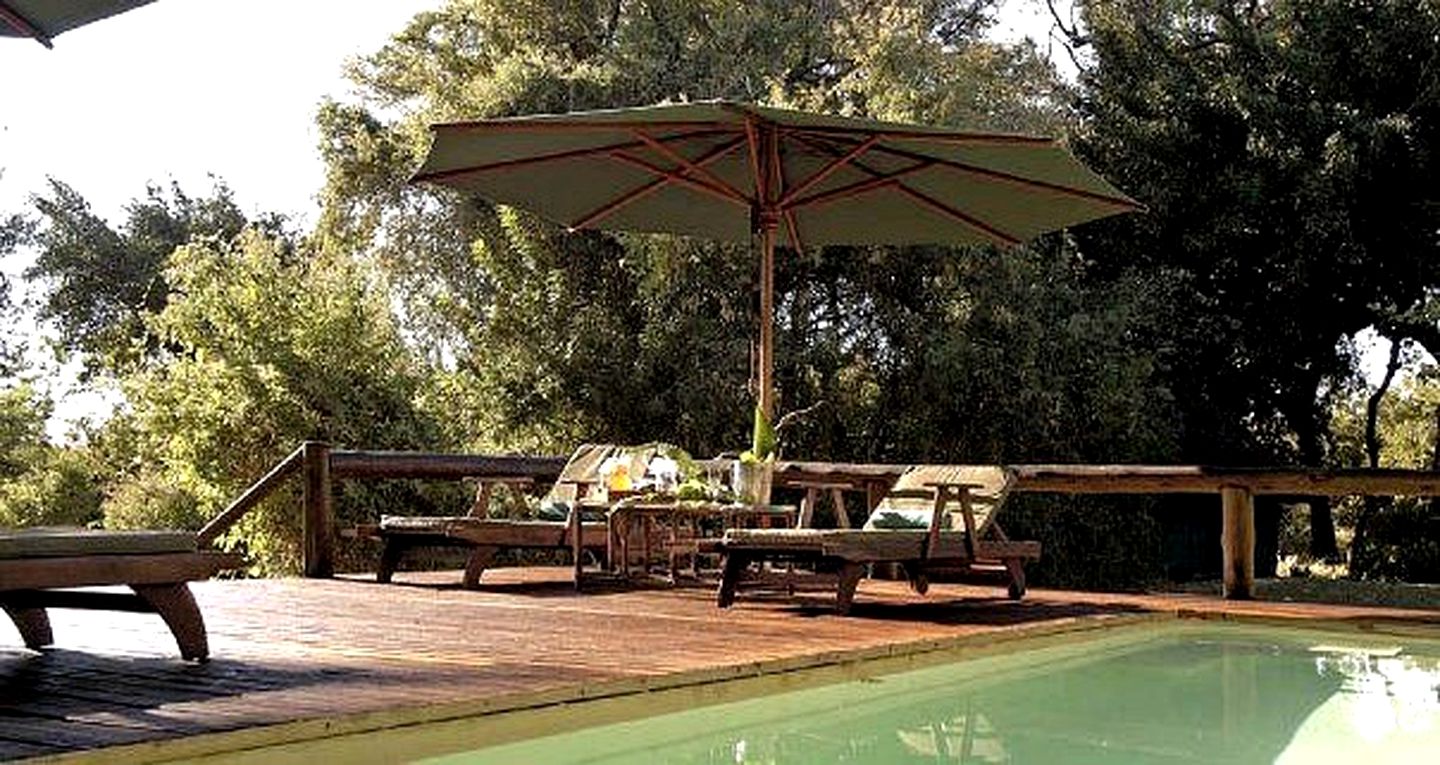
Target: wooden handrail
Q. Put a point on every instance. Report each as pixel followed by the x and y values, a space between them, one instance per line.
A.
pixel 1203 479
pixel 322 465
pixel 384 464
pixel 252 497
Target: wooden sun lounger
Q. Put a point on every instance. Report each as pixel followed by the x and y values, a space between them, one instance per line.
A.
pixel 486 537
pixel 926 494
pixel 38 566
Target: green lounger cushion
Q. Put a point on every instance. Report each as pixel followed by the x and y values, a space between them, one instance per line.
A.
pixel 71 542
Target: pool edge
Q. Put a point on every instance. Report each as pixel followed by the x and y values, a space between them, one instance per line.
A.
pixel 877 659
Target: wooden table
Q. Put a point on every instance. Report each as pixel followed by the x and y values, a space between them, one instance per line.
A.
pixel 681 520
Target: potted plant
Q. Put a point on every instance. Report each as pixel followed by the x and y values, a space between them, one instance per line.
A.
pixel 756 466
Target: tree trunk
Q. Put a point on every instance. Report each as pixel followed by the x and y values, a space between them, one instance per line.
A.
pixel 1308 419
pixel 1322 530
pixel 1360 544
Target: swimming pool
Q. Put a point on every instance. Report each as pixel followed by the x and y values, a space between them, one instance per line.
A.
pixel 1177 693
pixel 1130 689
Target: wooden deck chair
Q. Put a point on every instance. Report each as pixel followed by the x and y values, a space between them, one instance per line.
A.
pixel 38 568
pixel 935 517
pixel 487 537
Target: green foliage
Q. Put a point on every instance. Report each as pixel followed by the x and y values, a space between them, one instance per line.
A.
pixel 41 484
pixel 762 441
pixel 1399 538
pixel 1090 543
pixel 1401 541
pixel 1284 150
pixel 558 332
pixel 23 412
pixel 61 488
pixel 150 500
pixel 100 283
pixel 271 345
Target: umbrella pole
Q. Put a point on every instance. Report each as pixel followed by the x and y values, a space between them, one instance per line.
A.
pixel 767 318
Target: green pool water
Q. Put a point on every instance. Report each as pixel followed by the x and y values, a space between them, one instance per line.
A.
pixel 1176 695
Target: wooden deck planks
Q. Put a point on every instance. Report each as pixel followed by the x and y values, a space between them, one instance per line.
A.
pixel 312 649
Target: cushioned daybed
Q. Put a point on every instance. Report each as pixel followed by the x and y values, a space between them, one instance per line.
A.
pixel 39 568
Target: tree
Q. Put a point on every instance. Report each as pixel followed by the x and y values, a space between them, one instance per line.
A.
pixel 1284 150
pixel 100 283
pixel 265 343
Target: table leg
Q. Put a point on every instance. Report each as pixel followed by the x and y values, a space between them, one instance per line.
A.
pixel 842 516
pixel 625 529
pixel 674 549
pixel 807 509
pixel 647 528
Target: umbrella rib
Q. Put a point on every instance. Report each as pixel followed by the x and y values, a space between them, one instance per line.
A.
pixel 676 157
pixel 508 164
pixel 752 137
pixel 793 229
pixel 981 139
pixel 507 125
pixel 1018 180
pixel 777 170
pixel 677 177
pixel 640 192
pixel 24 26
pixel 877 181
pixel 994 233
pixel 826 171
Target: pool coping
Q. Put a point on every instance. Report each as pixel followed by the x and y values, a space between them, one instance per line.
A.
pixel 615 700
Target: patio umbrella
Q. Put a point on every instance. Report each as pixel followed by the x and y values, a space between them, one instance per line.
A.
pixel 44 19
pixel 732 171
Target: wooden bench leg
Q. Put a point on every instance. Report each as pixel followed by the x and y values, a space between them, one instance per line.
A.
pixel 177 607
pixel 390 557
pixel 33 624
pixel 480 558
pixel 850 575
pixel 1016 567
pixel 732 568
pixel 916 576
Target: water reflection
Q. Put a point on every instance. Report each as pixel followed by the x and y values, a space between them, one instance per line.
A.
pixel 1225 697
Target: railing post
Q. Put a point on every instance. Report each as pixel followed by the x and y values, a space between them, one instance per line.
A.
pixel 1237 538
pixel 319 521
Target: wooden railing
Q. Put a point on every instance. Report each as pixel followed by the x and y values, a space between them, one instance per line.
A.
pixel 1236 488
pixel 321 466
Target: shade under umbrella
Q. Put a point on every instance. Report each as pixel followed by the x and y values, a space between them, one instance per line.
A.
pixel 730 171
pixel 44 19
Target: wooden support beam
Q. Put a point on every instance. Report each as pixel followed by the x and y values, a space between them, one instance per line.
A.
pixel 384 464
pixel 1237 541
pixel 1205 479
pixel 319 520
pixel 252 497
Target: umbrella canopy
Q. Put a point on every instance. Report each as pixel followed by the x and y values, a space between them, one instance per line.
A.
pixel 44 19
pixel 731 171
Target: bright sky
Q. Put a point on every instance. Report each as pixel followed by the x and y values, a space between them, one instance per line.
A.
pixel 183 90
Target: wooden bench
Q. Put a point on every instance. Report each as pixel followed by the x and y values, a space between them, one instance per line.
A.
pixel 39 568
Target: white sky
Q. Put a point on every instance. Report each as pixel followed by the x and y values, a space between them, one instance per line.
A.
pixel 183 89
